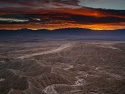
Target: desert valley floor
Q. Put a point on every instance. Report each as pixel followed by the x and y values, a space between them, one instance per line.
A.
pixel 62 67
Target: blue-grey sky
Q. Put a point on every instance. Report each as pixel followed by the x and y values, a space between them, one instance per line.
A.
pixel 106 4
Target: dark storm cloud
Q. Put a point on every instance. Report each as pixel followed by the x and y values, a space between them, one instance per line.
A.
pixel 38 3
pixel 93 20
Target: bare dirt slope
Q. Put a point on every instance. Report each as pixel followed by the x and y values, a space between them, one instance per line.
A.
pixel 74 67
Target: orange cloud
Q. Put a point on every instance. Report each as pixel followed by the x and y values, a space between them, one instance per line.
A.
pixel 95 19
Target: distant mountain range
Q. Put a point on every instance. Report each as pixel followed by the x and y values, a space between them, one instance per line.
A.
pixel 62 34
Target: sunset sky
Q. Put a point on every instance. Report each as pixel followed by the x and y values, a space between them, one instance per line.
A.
pixel 57 14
